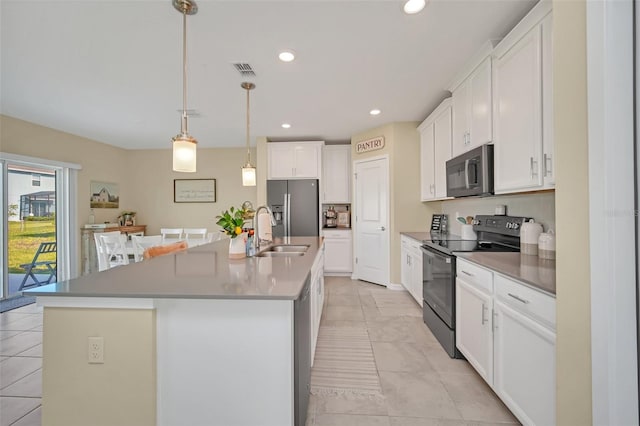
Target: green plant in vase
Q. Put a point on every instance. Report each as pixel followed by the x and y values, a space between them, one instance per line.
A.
pixel 231 221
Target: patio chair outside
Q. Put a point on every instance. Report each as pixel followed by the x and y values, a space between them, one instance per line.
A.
pixel 45 266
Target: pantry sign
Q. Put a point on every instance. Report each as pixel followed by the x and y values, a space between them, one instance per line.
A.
pixel 370 145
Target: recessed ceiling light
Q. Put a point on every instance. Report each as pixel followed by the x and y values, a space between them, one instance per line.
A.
pixel 287 56
pixel 375 112
pixel 414 6
pixel 286 125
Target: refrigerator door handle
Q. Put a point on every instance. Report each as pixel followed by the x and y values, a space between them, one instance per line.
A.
pixel 288 231
pixel 285 217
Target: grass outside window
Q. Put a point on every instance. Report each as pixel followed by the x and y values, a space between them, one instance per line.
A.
pixel 24 240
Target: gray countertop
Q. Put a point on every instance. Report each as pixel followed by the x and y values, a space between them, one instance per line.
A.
pixel 418 236
pixel 538 273
pixel 203 272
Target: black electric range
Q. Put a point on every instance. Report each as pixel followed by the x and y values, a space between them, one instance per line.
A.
pixel 495 234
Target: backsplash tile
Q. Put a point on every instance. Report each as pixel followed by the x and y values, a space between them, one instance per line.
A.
pixel 540 206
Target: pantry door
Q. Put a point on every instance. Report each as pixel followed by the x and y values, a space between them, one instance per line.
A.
pixel 371 190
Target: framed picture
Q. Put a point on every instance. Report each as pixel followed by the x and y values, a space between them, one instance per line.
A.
pixel 194 190
pixel 104 195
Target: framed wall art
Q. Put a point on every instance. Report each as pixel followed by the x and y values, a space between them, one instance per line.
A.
pixel 194 190
pixel 104 195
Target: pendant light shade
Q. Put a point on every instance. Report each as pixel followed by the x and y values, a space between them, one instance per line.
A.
pixel 184 145
pixel 248 170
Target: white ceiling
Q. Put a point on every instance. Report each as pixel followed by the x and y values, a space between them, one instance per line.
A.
pixel 111 70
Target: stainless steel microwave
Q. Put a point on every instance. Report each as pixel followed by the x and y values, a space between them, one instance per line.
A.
pixel 471 173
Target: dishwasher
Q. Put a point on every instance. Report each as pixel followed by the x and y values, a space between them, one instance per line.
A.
pixel 302 353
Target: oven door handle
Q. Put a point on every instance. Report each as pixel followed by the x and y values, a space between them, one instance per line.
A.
pixel 466 173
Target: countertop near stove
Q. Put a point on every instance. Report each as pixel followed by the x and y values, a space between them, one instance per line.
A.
pixel 418 236
pixel 536 272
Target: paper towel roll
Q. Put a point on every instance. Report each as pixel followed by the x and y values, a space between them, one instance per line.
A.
pixel 264 226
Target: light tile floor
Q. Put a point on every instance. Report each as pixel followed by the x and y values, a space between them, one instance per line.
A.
pixel 421 385
pixel 21 366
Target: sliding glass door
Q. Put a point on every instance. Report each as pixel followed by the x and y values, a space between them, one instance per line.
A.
pixel 38 238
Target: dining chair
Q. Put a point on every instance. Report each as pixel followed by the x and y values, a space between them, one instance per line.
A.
pixel 101 254
pixel 115 249
pixel 171 234
pixel 141 243
pixel 195 236
pixel 216 236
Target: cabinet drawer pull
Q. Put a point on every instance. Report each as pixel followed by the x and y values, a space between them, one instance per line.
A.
pixel 519 299
pixel 467 273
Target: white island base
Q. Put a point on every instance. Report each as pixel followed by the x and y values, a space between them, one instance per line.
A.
pixel 168 361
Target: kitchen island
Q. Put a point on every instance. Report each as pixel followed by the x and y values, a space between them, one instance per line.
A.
pixel 191 338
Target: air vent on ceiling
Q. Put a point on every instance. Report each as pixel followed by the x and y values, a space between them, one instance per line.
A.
pixel 244 69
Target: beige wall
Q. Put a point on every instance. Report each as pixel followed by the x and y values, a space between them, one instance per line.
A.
pixel 150 178
pixel 99 161
pixel 406 212
pixel 144 177
pixel 122 391
pixel 573 365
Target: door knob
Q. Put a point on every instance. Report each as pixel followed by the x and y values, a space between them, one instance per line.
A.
pixel 382 228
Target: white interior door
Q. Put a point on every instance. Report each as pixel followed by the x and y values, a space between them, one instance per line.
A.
pixel 371 179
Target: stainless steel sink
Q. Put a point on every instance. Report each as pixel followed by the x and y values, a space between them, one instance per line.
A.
pixel 268 253
pixel 283 250
pixel 288 248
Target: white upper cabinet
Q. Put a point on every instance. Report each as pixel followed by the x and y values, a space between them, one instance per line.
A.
pixel 548 147
pixel 522 105
pixel 294 160
pixel 472 112
pixel 435 150
pixel 336 174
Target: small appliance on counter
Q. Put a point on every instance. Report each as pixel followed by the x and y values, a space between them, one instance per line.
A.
pixel 331 218
pixel 344 219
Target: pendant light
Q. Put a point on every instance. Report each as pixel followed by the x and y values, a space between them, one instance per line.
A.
pixel 248 170
pixel 184 145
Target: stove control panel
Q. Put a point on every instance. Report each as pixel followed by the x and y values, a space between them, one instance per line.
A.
pixel 504 225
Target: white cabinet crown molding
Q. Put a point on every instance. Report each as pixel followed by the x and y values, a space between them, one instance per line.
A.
pixel 533 18
pixel 446 103
pixel 473 63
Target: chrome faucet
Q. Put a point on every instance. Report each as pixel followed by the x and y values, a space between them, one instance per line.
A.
pixel 256 238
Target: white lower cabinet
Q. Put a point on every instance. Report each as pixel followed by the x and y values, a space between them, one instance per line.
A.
pixel 525 367
pixel 338 252
pixel 474 337
pixel 411 267
pixel 506 330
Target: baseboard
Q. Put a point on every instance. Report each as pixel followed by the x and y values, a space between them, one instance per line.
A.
pixel 338 274
pixel 396 287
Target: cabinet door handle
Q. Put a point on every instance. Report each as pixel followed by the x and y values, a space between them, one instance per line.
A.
pixel 467 273
pixel 495 320
pixel 519 299
pixel 547 165
pixel 483 309
pixel 533 164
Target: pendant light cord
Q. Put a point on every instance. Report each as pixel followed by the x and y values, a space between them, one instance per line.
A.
pixel 185 128
pixel 248 128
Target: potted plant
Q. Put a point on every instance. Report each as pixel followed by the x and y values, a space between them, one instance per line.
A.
pixel 127 218
pixel 231 222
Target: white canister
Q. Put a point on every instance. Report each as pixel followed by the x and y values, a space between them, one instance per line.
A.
pixel 547 245
pixel 529 234
pixel 466 233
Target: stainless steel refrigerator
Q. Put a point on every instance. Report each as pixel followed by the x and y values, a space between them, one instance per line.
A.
pixel 294 204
